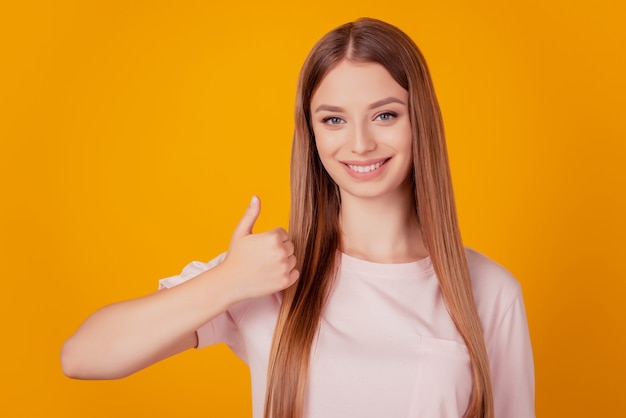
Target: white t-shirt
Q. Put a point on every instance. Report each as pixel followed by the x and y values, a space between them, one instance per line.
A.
pixel 387 346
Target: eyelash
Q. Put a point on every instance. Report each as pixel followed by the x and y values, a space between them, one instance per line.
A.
pixel 329 118
pixel 389 115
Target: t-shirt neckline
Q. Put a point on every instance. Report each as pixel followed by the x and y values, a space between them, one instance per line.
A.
pixel 355 264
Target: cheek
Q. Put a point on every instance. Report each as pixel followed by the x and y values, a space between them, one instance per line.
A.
pixel 405 134
pixel 403 144
pixel 403 139
pixel 325 145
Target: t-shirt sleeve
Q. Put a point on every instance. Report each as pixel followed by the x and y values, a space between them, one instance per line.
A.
pixel 512 368
pixel 222 328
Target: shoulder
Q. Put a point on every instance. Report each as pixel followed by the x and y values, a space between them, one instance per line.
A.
pixel 490 278
pixel 495 289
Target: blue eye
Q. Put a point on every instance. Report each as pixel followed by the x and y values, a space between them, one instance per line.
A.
pixel 332 120
pixel 386 116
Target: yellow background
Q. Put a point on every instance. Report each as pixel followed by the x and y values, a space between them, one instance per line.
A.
pixel 134 132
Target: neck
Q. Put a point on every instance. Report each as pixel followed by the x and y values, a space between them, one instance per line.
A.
pixel 383 230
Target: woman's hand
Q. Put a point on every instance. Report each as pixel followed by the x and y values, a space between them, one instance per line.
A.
pixel 121 338
pixel 259 264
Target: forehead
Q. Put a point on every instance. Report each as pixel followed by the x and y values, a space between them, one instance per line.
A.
pixel 357 84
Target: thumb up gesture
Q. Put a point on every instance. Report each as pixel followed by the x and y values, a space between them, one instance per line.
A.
pixel 259 264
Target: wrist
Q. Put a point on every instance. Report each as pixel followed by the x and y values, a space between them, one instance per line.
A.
pixel 224 285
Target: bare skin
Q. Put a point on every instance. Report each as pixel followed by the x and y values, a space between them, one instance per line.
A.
pixel 360 118
pixel 125 337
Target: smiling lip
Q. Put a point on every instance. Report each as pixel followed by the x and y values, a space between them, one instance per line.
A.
pixel 365 170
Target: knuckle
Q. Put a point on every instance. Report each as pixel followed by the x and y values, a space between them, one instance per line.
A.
pixel 279 238
pixel 276 256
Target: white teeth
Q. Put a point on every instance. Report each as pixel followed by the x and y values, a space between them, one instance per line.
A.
pixel 365 168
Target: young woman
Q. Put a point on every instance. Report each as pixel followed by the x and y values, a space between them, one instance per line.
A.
pixel 370 306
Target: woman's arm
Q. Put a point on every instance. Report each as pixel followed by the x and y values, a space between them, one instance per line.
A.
pixel 128 336
pixel 125 337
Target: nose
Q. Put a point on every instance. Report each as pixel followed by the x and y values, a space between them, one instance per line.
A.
pixel 362 140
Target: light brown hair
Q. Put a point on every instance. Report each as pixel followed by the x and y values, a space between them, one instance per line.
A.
pixel 315 203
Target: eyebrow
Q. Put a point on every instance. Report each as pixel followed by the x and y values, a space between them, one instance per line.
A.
pixel 374 105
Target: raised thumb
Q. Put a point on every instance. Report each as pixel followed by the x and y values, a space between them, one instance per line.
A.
pixel 249 218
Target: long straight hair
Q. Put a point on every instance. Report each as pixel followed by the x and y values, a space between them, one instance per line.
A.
pixel 315 204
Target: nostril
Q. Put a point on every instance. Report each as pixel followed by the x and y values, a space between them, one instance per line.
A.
pixel 363 146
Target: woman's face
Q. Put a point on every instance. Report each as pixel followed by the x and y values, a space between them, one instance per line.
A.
pixel 360 118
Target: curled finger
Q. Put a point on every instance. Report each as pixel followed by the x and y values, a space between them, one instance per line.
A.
pixel 282 234
pixel 289 248
pixel 291 262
